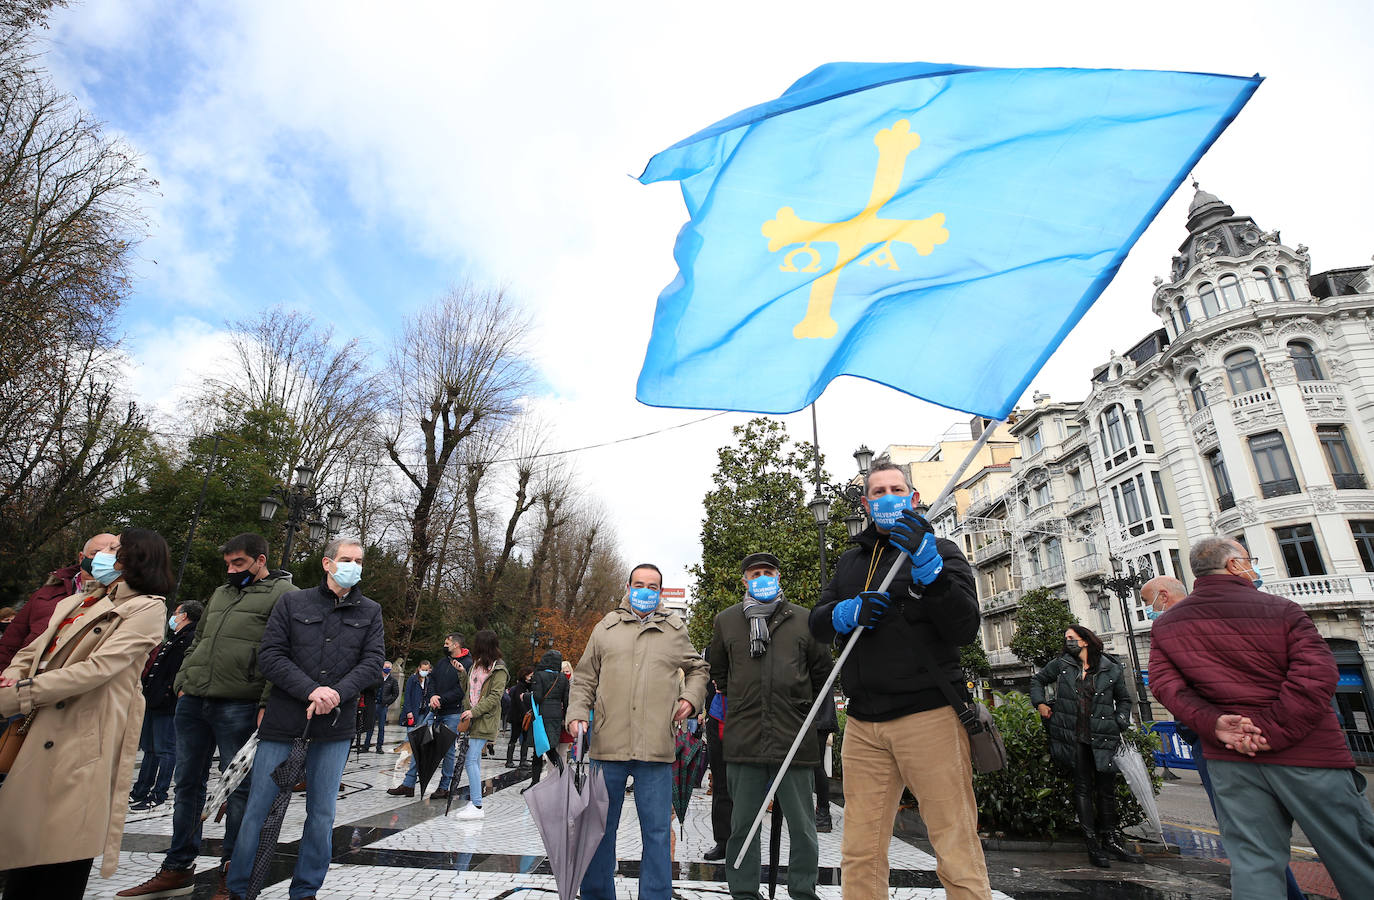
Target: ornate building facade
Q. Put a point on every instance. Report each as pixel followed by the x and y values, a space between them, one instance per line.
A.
pixel 1249 412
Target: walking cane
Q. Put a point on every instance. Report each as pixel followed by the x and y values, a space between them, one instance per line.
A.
pixel 849 647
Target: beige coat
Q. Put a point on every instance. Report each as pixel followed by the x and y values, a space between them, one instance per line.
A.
pixel 65 798
pixel 629 676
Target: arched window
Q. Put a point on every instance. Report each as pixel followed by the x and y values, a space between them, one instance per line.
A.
pixel 1208 295
pixel 1304 361
pixel 1196 392
pixel 1284 285
pixel 1267 289
pixel 1185 313
pixel 1116 430
pixel 1243 368
pixel 1173 323
pixel 1230 292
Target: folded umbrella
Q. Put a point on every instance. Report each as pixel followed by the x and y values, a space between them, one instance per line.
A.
pixel 1132 768
pixel 569 807
pixel 689 765
pixel 460 757
pixel 231 776
pixel 429 743
pixel 285 776
pixel 774 848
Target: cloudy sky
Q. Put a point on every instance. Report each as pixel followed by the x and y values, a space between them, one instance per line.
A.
pixel 357 159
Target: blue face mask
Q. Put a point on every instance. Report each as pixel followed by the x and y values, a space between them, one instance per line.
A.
pixel 1152 614
pixel 643 600
pixel 172 623
pixel 102 567
pixel 765 588
pixel 347 574
pixel 887 509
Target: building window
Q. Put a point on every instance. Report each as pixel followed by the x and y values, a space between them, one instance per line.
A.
pixel 1298 545
pixel 1304 361
pixel 1104 618
pixel 1272 465
pixel 1033 553
pixel 1076 480
pixel 1042 494
pixel 1208 295
pixel 1184 313
pixel 1285 284
pixel 1226 498
pixel 1140 420
pixel 1344 473
pixel 1176 560
pixel 1159 498
pixel 1196 392
pixel 1230 292
pixel 1131 501
pixel 1266 285
pixel 1363 532
pixel 1116 430
pixel 1243 368
pixel 1033 444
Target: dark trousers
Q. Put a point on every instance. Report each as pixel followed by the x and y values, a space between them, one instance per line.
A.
pixel 524 738
pixel 203 727
pixel 55 881
pixel 159 745
pixel 1094 795
pixel 379 725
pixel 722 806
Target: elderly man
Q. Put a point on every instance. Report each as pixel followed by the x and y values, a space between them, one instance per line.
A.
pixel 32 618
pixel 321 649
pixel 629 673
pixel 1249 672
pixel 900 729
pixel 769 667
pixel 1163 593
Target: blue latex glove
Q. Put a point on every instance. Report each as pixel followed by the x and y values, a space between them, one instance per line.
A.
pixel 913 536
pixel 866 610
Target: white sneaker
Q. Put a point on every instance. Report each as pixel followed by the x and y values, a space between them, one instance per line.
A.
pixel 469 812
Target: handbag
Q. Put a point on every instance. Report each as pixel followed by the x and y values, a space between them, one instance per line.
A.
pixel 986 749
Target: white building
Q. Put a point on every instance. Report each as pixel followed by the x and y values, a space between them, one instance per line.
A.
pixel 1249 412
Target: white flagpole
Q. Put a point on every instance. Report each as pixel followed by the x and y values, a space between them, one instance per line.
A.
pixel 849 647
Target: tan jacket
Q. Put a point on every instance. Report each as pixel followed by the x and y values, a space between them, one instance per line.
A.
pixel 66 796
pixel 629 678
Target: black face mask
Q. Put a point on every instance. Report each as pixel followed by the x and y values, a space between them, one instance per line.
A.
pixel 241 580
pixel 86 562
pixel 1071 647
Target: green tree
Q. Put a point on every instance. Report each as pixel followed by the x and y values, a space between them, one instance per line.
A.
pixel 974 660
pixel 1040 620
pixel 762 482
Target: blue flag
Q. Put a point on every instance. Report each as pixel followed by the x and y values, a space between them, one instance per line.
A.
pixel 935 228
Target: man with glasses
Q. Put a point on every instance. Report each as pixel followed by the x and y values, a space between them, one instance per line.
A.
pixel 1249 672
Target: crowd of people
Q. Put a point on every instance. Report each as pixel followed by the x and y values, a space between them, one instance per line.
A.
pixel 93 670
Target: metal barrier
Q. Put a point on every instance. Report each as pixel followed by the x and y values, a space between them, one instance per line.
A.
pixel 1176 754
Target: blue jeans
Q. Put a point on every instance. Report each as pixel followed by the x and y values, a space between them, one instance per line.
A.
pixel 379 726
pixel 1294 892
pixel 324 765
pixel 202 727
pixel 445 779
pixel 473 764
pixel 654 806
pixel 159 745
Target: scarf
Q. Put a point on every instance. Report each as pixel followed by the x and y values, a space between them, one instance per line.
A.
pixel 757 613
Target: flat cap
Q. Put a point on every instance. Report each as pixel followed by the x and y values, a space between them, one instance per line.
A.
pixel 760 559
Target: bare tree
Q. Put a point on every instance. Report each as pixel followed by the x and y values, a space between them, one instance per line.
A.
pixel 458 366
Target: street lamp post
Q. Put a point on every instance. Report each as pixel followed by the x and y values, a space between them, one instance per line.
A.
pixel 322 518
pixel 538 638
pixel 820 503
pixel 1124 585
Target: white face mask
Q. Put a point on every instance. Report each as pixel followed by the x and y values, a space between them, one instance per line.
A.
pixel 424 673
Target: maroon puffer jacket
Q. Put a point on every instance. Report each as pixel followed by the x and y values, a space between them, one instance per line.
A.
pixel 1228 648
pixel 33 616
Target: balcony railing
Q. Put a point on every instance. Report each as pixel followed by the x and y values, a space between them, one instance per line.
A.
pixel 1087 566
pixel 1279 488
pixel 1251 399
pixel 1322 588
pixel 993 548
pixel 1320 388
pixel 1226 501
pixel 1350 482
pixel 1004 657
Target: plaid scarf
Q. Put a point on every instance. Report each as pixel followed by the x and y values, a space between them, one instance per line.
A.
pixel 757 613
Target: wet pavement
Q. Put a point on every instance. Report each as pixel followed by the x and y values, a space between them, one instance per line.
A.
pixel 400 848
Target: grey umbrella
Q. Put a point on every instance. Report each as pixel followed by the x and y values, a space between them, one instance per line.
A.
pixel 569 806
pixel 285 775
pixel 1132 768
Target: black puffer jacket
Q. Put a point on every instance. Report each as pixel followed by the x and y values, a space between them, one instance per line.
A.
pixel 1111 709
pixel 157 682
pixel 550 691
pixel 883 676
pixel 313 639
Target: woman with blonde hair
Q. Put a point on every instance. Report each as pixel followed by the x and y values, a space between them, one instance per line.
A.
pixel 77 685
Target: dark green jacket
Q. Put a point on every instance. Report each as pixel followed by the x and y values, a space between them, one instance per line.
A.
pixel 222 663
pixel 1111 708
pixel 767 698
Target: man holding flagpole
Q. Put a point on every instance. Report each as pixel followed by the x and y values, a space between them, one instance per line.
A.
pixel 901 731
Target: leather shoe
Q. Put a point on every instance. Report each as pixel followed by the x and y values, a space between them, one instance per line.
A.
pixel 441 794
pixel 401 791
pixel 824 825
pixel 1115 851
pixel 716 853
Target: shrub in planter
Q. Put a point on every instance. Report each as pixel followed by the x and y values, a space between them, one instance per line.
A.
pixel 1032 797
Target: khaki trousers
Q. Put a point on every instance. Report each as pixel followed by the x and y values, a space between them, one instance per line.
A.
pixel 928 752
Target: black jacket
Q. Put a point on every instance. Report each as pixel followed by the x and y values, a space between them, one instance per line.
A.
pixel 158 680
pixel 550 691
pixel 883 677
pixel 315 639
pixel 389 691
pixel 449 681
pixel 768 697
pixel 1111 709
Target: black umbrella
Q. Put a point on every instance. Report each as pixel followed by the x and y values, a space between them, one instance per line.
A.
pixel 290 771
pixel 459 764
pixel 774 848
pixel 429 743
